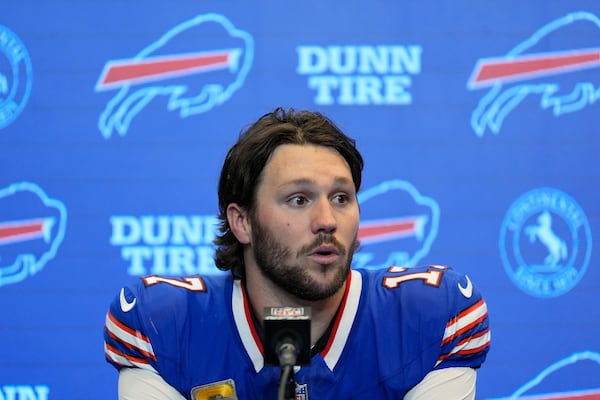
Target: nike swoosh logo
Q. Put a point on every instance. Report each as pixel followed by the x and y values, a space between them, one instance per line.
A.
pixel 467 291
pixel 125 305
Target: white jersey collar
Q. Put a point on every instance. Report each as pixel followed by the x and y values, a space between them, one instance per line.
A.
pixel 339 335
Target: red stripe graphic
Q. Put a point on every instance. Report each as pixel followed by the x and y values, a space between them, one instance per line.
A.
pixel 489 72
pixel 19 231
pixel 118 73
pixel 372 231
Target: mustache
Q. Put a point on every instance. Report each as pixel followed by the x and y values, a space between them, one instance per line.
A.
pixel 329 239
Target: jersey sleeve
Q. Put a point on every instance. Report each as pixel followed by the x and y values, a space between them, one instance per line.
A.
pixel 126 341
pixel 466 337
pixel 147 326
pixel 139 384
pixel 443 316
pixel 447 383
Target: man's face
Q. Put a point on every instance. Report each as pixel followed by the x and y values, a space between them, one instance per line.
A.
pixel 305 225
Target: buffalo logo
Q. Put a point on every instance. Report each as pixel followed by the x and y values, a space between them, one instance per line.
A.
pixel 529 67
pixel 193 81
pixel 545 242
pixel 583 368
pixel 15 76
pixel 32 227
pixel 402 240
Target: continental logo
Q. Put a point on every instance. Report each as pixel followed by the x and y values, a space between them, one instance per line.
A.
pixel 15 76
pixel 545 242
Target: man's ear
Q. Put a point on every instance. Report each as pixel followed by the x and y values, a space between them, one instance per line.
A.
pixel 239 223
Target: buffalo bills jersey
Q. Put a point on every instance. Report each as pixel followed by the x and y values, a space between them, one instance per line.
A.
pixel 394 326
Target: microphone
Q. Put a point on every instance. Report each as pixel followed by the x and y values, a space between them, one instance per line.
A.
pixel 287 336
pixel 287 343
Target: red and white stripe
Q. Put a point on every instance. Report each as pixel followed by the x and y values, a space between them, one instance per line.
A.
pixel 243 321
pixel 341 330
pixel 463 322
pixel 126 360
pixel 132 339
pixel 471 345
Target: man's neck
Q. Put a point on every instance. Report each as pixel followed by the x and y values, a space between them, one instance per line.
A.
pixel 262 293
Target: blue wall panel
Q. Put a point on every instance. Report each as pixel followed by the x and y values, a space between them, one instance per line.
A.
pixel 478 122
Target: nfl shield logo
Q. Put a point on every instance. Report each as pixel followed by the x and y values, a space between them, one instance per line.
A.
pixel 301 392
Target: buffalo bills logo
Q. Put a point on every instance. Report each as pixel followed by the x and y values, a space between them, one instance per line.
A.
pixel 584 368
pixel 195 66
pixel 32 227
pixel 398 225
pixel 564 79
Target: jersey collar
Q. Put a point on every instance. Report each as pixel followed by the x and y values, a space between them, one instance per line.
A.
pixel 339 334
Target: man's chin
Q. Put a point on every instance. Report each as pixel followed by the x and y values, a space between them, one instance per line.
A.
pixel 324 287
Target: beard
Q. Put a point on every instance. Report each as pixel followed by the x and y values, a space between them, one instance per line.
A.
pixel 275 263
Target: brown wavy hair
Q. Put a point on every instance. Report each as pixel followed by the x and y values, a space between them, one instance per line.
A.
pixel 245 161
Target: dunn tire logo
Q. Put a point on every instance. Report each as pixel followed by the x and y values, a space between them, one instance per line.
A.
pixel 545 242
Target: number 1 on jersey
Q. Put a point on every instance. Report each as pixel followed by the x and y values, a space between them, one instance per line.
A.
pixel 431 277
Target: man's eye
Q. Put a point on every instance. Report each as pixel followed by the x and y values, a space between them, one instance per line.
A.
pixel 341 198
pixel 298 200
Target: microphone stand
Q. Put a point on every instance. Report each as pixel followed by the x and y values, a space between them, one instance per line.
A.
pixel 287 354
pixel 287 384
pixel 287 344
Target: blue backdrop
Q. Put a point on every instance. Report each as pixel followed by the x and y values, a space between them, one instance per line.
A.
pixel 478 122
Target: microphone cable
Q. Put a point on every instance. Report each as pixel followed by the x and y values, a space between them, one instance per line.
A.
pixel 287 384
pixel 287 359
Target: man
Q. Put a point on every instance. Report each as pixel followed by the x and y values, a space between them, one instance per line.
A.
pixel 289 219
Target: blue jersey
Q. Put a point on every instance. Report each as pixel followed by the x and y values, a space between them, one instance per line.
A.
pixel 394 326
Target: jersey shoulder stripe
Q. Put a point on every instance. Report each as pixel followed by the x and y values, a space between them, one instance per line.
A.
pixel 473 345
pixel 465 321
pixel 126 347
pixel 130 338
pixel 121 359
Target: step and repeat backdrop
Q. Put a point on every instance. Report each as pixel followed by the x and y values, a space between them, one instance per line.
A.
pixel 479 123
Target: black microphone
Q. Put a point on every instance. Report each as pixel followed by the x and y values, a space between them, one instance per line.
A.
pixel 287 336
pixel 287 343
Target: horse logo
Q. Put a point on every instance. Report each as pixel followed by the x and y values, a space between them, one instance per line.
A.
pixel 545 242
pixel 542 231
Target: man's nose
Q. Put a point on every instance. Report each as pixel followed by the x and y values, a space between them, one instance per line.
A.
pixel 323 217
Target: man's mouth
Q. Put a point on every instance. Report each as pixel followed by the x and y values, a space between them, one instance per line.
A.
pixel 325 254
